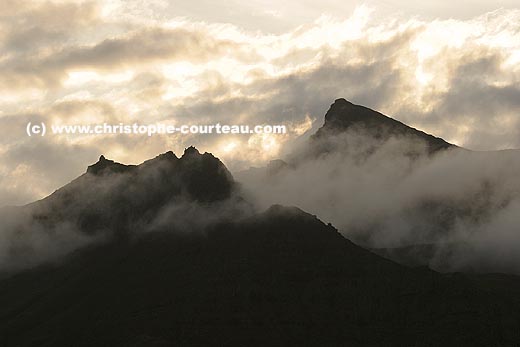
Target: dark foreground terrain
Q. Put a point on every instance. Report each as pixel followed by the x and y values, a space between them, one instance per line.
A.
pixel 280 278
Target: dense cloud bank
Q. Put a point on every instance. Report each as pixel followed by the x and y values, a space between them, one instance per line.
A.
pixel 463 207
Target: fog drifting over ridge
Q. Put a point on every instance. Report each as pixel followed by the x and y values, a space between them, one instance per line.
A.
pixel 113 201
pixel 110 61
pixel 463 206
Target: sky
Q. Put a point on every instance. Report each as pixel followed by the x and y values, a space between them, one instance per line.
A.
pixel 451 69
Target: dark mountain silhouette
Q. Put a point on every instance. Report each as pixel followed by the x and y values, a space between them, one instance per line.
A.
pixel 106 165
pixel 114 200
pixel 344 116
pixel 276 278
pixel 135 193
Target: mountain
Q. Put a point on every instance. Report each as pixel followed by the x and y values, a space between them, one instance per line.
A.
pixel 135 192
pixel 407 195
pixel 346 117
pixel 112 200
pixel 280 277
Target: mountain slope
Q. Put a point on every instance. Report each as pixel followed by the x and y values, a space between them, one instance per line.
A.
pixel 218 274
pixel 278 278
pixel 113 200
pixel 135 191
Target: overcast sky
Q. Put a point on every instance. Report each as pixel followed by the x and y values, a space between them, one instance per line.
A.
pixel 449 68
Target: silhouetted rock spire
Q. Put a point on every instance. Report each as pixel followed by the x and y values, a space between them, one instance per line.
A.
pixel 105 165
pixel 191 150
pixel 344 116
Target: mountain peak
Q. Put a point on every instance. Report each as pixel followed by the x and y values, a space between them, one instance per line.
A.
pixel 345 113
pixel 165 156
pixel 344 116
pixel 168 155
pixel 104 165
pixel 340 109
pixel 191 150
pixel 341 102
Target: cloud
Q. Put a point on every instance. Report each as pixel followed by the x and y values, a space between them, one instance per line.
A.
pixel 119 61
pixel 480 105
pixel 29 171
pixel 464 202
pixel 29 27
pixel 142 47
pixel 25 243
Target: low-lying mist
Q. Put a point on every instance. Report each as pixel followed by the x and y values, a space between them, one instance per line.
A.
pixel 456 209
pixel 390 194
pixel 117 202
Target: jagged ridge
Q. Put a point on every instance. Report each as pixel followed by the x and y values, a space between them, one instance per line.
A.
pixel 112 196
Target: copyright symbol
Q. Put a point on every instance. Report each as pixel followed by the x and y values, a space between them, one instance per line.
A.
pixel 35 129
